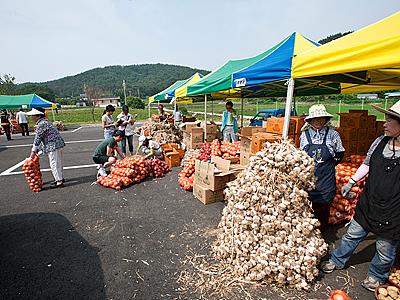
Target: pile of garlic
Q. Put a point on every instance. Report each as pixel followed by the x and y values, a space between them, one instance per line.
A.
pixel 268 230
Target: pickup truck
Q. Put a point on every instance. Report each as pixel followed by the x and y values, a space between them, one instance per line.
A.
pixel 264 114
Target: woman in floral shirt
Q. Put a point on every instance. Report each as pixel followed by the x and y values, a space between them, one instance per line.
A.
pixel 49 140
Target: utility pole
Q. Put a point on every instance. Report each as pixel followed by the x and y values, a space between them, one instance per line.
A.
pixel 124 86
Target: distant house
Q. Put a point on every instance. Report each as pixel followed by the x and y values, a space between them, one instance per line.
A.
pixel 367 96
pixel 103 102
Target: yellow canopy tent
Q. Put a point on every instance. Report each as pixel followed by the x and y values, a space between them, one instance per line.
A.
pixel 364 61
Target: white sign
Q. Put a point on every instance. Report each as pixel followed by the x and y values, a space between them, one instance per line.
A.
pixel 240 82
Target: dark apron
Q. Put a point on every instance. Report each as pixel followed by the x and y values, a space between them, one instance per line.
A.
pixel 379 208
pixel 324 171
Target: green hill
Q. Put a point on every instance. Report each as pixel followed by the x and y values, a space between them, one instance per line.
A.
pixel 149 79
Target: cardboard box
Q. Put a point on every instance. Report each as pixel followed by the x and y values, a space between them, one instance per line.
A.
pixel 188 119
pixel 352 147
pixel 207 196
pixel 212 128
pixel 300 121
pixel 379 128
pixel 211 136
pixel 362 134
pixel 362 148
pixel 245 157
pixel 205 174
pixel 363 112
pixel 275 125
pixel 245 144
pixel 297 140
pixel 260 138
pixel 353 120
pixel 188 126
pixel 172 159
pixel 347 134
pixel 250 130
pixel 371 123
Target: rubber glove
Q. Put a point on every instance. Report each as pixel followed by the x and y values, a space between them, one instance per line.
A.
pixel 347 187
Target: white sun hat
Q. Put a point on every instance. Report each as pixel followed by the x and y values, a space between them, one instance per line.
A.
pixel 142 138
pixel 317 111
pixel 34 112
pixel 393 111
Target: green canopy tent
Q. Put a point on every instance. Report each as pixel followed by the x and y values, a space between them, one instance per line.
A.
pixel 26 101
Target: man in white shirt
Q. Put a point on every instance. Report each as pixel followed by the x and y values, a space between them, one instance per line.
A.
pixel 22 121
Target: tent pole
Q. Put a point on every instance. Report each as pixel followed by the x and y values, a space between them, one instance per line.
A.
pixel 257 106
pixel 205 116
pixel 212 110
pixel 241 119
pixel 174 99
pixel 149 110
pixel 362 103
pixel 340 110
pixel 276 104
pixel 52 112
pixel 288 107
pixel 386 102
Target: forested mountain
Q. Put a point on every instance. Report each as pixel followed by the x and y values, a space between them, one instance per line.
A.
pixel 147 79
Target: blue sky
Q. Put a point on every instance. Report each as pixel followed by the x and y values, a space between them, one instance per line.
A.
pixel 48 39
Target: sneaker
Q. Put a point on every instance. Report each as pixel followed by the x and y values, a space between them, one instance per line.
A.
pixel 101 172
pixel 56 185
pixel 328 267
pixel 371 283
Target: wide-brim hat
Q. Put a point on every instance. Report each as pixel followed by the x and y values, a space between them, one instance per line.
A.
pixel 317 111
pixel 393 111
pixel 34 112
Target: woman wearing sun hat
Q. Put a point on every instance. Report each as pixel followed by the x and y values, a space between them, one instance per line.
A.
pixel 49 140
pixel 379 208
pixel 322 142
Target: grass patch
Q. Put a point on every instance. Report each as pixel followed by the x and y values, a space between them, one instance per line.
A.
pixel 84 115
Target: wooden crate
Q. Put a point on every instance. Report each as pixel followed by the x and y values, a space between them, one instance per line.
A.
pixel 172 159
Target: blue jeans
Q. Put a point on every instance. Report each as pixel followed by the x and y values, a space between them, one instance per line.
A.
pixel 108 134
pixel 128 138
pixel 384 256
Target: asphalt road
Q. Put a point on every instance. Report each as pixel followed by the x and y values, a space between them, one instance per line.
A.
pixel 88 242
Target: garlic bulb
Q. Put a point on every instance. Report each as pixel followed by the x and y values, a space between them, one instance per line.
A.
pixel 268 230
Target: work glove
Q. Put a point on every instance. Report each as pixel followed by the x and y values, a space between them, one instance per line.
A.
pixel 347 187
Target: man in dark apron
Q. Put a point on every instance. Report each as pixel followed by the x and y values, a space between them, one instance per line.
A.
pixel 379 208
pixel 323 144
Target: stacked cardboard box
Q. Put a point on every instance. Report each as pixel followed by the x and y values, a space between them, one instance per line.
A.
pixel 275 125
pixel 358 130
pixel 245 150
pixel 194 136
pixel 209 184
pixel 212 133
pixel 248 131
